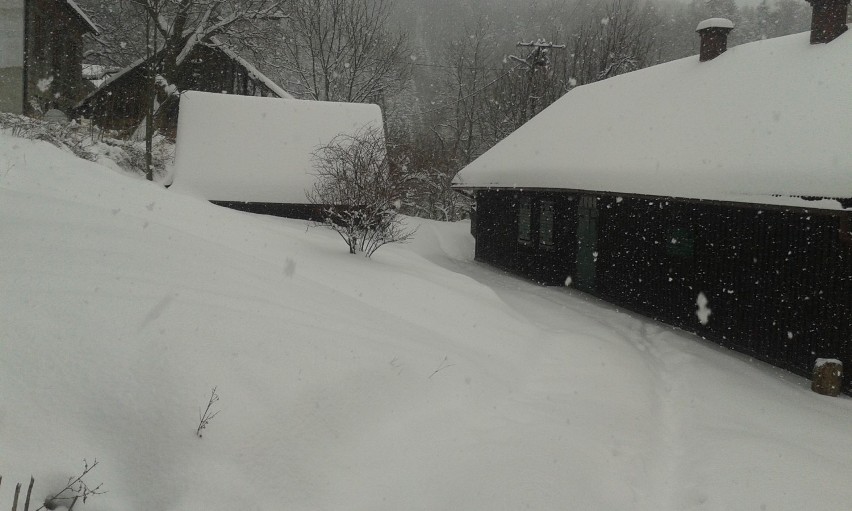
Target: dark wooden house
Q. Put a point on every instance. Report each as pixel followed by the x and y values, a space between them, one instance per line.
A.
pixel 714 194
pixel 256 154
pixel 119 103
pixel 41 52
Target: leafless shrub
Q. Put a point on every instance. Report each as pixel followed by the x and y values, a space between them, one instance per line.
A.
pixel 359 192
pixel 77 488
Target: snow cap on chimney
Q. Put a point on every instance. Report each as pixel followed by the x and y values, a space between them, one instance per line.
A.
pixel 714 37
pixel 828 19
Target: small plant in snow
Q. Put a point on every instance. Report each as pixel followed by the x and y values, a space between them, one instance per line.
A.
pixel 77 488
pixel 359 191
pixel 207 415
pixel 444 365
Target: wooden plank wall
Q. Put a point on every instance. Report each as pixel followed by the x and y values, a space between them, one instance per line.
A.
pixel 778 282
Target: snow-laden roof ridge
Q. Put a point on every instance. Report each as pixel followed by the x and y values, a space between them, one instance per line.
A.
pixel 85 17
pixel 274 87
pixel 216 43
pixel 765 121
pixel 112 78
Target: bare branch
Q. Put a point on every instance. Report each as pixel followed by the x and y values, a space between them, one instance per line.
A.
pixel 207 415
pixel 76 488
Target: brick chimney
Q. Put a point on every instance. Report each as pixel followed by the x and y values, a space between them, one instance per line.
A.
pixel 828 20
pixel 714 36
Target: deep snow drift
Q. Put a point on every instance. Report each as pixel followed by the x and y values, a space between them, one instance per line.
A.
pixel 415 380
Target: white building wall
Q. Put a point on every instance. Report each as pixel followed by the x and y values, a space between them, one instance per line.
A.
pixel 11 55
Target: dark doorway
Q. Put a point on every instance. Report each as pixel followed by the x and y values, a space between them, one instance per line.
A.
pixel 587 242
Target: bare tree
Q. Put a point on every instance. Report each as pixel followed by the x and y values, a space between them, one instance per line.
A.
pixel 171 29
pixel 430 159
pixel 183 24
pixel 469 72
pixel 344 50
pixel 179 25
pixel 359 191
pixel 531 83
pixel 619 41
pixel 429 172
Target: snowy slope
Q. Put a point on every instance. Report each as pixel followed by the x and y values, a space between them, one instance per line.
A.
pixel 415 380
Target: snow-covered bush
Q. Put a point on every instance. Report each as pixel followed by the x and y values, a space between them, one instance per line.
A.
pixel 91 143
pixel 429 170
pixel 359 192
pixel 66 136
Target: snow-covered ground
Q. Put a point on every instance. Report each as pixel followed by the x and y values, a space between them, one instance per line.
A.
pixel 418 380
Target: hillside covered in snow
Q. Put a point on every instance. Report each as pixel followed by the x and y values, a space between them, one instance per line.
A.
pixel 415 380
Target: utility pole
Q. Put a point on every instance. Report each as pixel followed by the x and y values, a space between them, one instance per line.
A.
pixel 150 86
pixel 539 56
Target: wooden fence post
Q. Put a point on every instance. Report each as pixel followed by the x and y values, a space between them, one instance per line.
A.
pixel 827 377
pixel 29 492
pixel 15 501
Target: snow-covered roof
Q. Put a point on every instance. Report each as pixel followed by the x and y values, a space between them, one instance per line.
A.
pixel 252 149
pixel 112 78
pixel 83 16
pixel 765 122
pixel 253 71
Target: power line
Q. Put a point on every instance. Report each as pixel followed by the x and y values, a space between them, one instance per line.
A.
pixel 534 56
pixel 443 66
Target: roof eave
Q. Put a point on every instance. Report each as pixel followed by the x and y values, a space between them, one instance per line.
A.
pixel 83 17
pixel 845 203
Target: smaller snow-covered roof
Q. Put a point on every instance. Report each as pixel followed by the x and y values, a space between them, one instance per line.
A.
pixel 253 71
pixel 252 149
pixel 112 78
pixel 216 43
pixel 769 122
pixel 715 23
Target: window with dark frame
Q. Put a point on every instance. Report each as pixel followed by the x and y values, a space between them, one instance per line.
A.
pixel 525 221
pixel 545 226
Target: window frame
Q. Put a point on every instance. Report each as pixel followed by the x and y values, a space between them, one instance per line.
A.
pixel 546 237
pixel 525 210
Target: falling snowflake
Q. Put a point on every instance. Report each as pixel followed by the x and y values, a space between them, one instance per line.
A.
pixel 44 83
